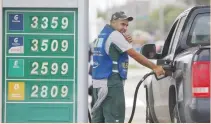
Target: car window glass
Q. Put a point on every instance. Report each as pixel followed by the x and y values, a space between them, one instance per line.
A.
pixel 169 39
pixel 177 35
pixel 200 30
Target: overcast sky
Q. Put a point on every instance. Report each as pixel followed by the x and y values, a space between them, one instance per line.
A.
pixel 103 4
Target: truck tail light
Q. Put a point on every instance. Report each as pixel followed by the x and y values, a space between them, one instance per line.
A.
pixel 201 79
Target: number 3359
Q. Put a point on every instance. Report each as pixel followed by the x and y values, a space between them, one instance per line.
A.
pixel 54 22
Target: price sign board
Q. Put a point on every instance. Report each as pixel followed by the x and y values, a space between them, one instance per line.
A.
pixel 40 58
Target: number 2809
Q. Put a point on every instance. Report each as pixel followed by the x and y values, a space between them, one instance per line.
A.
pixel 45 91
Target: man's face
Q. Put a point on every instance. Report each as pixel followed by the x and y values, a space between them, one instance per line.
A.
pixel 120 25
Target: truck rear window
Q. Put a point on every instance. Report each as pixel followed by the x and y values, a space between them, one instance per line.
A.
pixel 200 30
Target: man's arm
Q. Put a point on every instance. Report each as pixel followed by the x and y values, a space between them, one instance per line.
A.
pixel 145 62
pixel 141 59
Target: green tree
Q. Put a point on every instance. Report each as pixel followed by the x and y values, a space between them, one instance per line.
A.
pixel 197 2
pixel 170 14
pixel 101 14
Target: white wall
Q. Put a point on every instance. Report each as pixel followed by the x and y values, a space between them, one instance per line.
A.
pixel 92 20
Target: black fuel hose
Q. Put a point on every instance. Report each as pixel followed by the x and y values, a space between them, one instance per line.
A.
pixel 166 68
pixel 136 93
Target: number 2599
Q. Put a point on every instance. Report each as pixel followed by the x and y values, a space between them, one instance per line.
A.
pixel 44 68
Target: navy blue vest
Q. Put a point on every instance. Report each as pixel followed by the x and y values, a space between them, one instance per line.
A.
pixel 102 63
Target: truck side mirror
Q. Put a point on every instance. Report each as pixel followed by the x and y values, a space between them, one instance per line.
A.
pixel 149 51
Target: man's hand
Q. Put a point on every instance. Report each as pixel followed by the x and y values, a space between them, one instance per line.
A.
pixel 128 38
pixel 159 70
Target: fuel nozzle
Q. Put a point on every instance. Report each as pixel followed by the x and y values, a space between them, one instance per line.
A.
pixel 167 67
pixel 168 71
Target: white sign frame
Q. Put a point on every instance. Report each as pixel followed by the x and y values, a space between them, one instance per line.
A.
pixel 83 37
